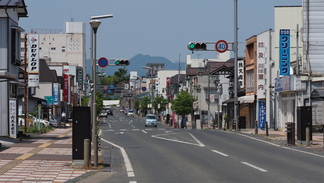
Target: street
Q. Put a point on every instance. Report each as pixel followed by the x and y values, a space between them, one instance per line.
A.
pixel 165 154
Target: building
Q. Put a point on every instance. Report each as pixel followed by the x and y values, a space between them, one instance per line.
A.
pixel 10 13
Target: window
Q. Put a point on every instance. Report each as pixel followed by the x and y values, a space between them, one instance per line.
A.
pixel 15 47
pixel 63 50
pixel 250 80
pixel 53 48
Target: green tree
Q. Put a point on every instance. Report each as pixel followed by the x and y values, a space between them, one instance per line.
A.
pixel 163 103
pixel 182 105
pixel 137 104
pixel 145 100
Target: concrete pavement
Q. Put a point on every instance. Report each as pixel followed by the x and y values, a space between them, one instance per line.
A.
pixel 42 158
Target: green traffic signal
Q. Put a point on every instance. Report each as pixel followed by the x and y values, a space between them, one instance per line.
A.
pixel 197 46
pixel 122 62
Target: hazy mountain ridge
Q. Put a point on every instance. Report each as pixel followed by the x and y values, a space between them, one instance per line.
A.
pixel 139 61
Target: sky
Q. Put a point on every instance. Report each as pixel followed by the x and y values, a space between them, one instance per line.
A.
pixel 157 28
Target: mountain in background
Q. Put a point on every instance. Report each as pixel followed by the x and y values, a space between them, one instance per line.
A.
pixel 136 64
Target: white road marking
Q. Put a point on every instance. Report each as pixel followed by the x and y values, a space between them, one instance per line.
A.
pixel 122 129
pixel 128 164
pixel 223 154
pixel 273 144
pixel 136 129
pixel 144 131
pixel 132 182
pixel 199 143
pixel 130 174
pixel 253 166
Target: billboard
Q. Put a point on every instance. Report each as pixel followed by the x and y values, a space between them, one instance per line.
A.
pixel 33 60
pixel 284 52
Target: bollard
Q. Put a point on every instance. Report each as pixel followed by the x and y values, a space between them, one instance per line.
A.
pixel 307 137
pixel 86 155
pixel 267 129
pixel 256 127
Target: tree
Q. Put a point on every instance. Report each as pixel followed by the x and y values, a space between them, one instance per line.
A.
pixel 159 100
pixel 182 105
pixel 145 100
pixel 137 104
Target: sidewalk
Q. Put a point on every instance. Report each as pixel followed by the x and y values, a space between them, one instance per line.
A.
pixel 42 158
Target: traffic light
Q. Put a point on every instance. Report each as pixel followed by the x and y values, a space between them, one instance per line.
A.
pixel 122 62
pixel 199 46
pixel 91 87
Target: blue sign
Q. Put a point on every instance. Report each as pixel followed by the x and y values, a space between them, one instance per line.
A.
pixel 284 52
pixel 144 88
pixel 102 62
pixel 261 114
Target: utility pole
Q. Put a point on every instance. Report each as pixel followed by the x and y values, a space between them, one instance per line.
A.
pixel 235 66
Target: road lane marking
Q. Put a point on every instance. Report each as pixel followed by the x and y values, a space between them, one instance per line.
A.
pixel 253 166
pixel 127 161
pixel 136 129
pixel 144 131
pixel 223 154
pixel 130 174
pixel 122 130
pixel 200 143
pixel 173 140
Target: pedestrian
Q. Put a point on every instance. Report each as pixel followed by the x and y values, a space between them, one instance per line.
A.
pixel 63 116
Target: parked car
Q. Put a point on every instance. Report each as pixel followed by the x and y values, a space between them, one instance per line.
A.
pixel 130 112
pixel 103 113
pixel 32 120
pixel 109 112
pixel 150 120
pixel 53 121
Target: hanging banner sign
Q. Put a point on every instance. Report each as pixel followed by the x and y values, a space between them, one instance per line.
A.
pixel 33 61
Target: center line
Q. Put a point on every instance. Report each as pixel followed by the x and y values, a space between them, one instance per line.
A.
pixel 253 166
pixel 223 154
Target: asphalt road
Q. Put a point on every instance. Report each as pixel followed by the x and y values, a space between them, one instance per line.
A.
pixel 163 154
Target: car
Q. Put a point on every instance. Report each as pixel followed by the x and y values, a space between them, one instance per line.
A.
pixel 109 112
pixel 130 112
pixel 103 113
pixel 32 120
pixel 150 120
pixel 53 121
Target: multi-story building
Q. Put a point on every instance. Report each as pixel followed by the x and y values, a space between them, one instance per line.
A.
pixel 10 13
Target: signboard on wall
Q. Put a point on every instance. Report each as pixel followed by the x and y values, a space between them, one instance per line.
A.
pixel 260 69
pixel 284 52
pixel 261 114
pixel 66 87
pixel 13 128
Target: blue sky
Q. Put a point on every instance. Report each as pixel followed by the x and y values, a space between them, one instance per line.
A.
pixel 156 28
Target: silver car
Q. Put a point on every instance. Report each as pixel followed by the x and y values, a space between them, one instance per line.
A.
pixel 150 120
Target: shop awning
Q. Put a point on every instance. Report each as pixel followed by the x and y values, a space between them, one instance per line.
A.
pixel 246 99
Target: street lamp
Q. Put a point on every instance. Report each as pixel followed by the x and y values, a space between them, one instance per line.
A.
pixel 95 25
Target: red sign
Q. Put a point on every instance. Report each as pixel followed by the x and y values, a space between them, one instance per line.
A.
pixel 66 85
pixel 221 46
pixel 168 86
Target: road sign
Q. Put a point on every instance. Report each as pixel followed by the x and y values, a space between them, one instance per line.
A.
pixel 221 46
pixel 102 69
pixel 105 87
pixel 143 88
pixel 102 62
